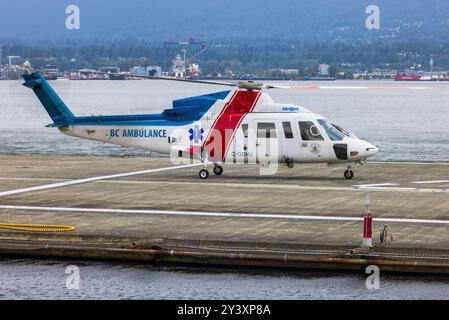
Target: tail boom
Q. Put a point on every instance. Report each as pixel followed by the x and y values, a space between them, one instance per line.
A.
pixel 58 111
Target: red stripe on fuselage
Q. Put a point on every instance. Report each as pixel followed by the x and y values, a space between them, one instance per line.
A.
pixel 223 130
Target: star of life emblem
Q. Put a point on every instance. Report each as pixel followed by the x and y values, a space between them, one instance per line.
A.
pixel 315 148
pixel 196 134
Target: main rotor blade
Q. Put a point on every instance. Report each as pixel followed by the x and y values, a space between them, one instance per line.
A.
pixel 310 87
pixel 251 85
pixel 229 84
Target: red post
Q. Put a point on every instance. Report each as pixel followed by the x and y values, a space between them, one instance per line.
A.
pixel 367 230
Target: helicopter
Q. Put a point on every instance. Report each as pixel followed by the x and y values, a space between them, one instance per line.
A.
pixel 241 125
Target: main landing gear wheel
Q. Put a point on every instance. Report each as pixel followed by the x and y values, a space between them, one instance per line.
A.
pixel 218 170
pixel 204 174
pixel 349 174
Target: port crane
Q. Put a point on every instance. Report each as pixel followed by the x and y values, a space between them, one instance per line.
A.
pixel 10 59
pixel 195 43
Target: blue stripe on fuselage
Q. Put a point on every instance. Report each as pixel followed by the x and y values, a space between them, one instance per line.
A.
pixel 184 112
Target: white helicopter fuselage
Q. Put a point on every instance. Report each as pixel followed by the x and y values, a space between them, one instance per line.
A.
pixel 271 131
pixel 233 126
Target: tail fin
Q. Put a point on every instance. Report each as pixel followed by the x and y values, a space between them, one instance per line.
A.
pixel 58 111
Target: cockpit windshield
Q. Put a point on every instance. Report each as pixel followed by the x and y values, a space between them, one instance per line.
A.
pixel 335 133
pixel 346 132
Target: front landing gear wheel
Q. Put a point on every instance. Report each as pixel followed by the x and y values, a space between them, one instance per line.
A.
pixel 349 174
pixel 204 174
pixel 218 170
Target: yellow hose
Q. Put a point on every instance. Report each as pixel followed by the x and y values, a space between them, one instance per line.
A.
pixel 37 227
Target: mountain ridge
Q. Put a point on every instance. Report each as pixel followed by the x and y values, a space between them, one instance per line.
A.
pixel 284 19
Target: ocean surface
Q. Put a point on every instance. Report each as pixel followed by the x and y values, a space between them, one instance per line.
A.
pixel 46 279
pixel 407 125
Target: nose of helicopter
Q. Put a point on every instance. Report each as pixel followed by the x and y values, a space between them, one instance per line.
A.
pixel 370 150
pixel 361 150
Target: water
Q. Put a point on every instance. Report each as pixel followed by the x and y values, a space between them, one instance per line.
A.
pixel 46 279
pixel 407 125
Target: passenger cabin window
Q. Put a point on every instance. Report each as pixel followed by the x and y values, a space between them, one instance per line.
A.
pixel 309 131
pixel 245 130
pixel 266 130
pixel 288 132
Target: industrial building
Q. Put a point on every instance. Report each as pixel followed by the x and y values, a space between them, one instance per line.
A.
pixel 152 71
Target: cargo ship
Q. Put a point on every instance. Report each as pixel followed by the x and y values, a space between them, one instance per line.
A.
pixel 50 72
pixel 423 76
pixel 407 78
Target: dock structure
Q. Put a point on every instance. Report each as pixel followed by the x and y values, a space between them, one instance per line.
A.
pixel 135 208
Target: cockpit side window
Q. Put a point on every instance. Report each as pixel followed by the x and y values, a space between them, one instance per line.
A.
pixel 333 133
pixel 309 131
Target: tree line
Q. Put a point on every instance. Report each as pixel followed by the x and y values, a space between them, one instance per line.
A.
pixel 263 57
